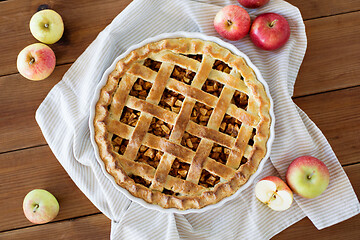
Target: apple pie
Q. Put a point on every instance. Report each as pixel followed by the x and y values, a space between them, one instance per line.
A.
pixel 182 123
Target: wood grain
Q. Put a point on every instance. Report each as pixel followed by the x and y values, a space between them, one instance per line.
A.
pixel 23 171
pixel 337 114
pixel 90 227
pixel 332 59
pixel 98 226
pixel 320 8
pixel 19 100
pixel 83 20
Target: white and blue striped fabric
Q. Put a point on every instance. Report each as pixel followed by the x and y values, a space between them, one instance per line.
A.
pixel 63 119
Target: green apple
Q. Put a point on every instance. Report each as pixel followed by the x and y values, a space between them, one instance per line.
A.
pixel 36 62
pixel 40 206
pixel 307 176
pixel 274 192
pixel 47 26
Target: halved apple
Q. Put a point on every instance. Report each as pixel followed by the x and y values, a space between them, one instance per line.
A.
pixel 274 192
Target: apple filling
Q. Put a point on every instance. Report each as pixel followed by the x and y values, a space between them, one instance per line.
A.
pixel 230 126
pixel 149 156
pixel 179 169
pixel 201 113
pixel 141 89
pixel 152 64
pixel 119 144
pixel 190 141
pixel 129 116
pixel 171 101
pixel 160 128
pixel 183 75
pixel 221 66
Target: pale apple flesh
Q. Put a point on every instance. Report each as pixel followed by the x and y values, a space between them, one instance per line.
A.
pixel 273 192
pixel 47 26
pixel 36 62
pixel 308 177
pixel 232 22
pixel 40 206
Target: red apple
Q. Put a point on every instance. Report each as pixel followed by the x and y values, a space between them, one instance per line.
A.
pixel 40 206
pixel 269 31
pixel 232 22
pixel 36 61
pixel 308 176
pixel 274 193
pixel 253 3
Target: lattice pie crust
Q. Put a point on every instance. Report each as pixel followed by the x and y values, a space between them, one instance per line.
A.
pixel 182 123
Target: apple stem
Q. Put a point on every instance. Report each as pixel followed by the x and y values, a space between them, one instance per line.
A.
pixel 273 23
pixel 229 22
pixel 310 176
pixel 46 25
pixel 32 60
pixel 36 207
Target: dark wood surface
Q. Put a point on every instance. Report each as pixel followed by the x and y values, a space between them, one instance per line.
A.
pixel 327 89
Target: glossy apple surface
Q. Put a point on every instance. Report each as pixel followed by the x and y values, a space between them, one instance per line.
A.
pixel 307 176
pixel 47 26
pixel 232 22
pixel 40 206
pixel 270 31
pixel 274 192
pixel 253 3
pixel 36 61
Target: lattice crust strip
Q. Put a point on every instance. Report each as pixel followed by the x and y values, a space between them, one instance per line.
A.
pixel 184 125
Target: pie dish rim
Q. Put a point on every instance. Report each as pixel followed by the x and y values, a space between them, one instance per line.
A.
pixel 181 34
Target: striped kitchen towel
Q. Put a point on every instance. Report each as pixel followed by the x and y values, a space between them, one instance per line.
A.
pixel 63 118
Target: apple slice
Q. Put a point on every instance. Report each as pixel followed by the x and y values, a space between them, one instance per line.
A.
pixel 274 192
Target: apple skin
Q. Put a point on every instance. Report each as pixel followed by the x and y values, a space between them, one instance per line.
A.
pixel 47 26
pixel 232 22
pixel 36 62
pixel 307 176
pixel 253 3
pixel 269 31
pixel 274 192
pixel 40 206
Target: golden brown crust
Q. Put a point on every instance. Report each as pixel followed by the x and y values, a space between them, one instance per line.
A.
pixel 188 192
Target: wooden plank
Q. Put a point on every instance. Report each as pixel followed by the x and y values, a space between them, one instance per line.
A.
pixel 332 59
pixel 90 227
pixel 98 226
pixel 19 100
pixel 349 229
pixel 78 15
pixel 83 20
pixel 337 114
pixel 22 171
pixel 319 8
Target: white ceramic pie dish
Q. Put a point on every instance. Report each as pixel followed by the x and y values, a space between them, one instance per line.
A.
pixel 103 81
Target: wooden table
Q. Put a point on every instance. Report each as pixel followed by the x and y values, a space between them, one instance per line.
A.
pixel 327 89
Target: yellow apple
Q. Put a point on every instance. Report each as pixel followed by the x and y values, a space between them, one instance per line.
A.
pixel 47 26
pixel 40 206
